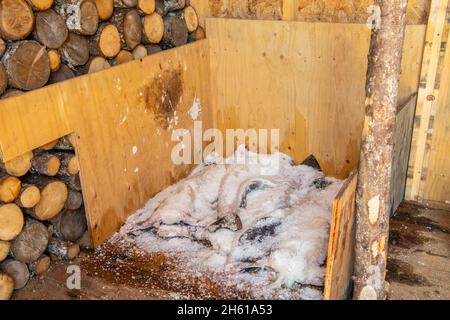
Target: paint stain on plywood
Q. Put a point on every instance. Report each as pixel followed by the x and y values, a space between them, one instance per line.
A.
pixel 162 96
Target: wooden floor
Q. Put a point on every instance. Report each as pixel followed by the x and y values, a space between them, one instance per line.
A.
pixel 419 253
pixel 419 268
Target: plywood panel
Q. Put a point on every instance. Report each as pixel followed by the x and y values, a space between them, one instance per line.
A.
pixel 122 138
pixel 302 78
pixel 341 247
pixel 402 148
pixel 437 183
pixel 33 120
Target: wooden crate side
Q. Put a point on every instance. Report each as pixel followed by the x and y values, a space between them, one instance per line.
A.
pixel 129 160
pixel 305 79
pixel 402 148
pixel 340 261
pixel 122 128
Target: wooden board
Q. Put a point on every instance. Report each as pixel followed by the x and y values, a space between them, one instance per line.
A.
pixel 341 255
pixel 35 119
pixel 308 80
pixel 402 148
pixel 437 183
pixel 122 141
pixel 427 96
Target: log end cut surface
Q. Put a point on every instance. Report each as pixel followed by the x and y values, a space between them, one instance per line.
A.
pixel 109 42
pixel 16 19
pixel 53 198
pixel 11 221
pixel 31 243
pixel 29 66
pixel 30 197
pixel 6 286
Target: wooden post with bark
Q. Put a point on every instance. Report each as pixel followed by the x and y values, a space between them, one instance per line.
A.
pixel 373 200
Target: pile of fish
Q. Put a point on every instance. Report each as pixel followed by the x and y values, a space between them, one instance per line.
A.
pixel 259 213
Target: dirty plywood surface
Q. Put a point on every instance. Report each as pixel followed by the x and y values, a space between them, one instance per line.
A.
pixel 341 254
pixel 132 113
pixel 419 253
pixel 313 71
pixel 123 119
pixel 342 11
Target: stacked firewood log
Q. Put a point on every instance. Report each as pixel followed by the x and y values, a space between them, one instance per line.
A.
pixel 42 215
pixel 47 41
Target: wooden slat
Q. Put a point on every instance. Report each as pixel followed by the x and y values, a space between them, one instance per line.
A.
pixel 306 79
pixel 341 246
pixel 402 148
pixel 203 10
pixel 437 183
pixel 289 9
pixel 427 96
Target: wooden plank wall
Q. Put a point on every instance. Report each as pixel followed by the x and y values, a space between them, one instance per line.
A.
pixel 123 140
pixel 305 79
pixel 342 11
pixel 427 98
pixel 437 184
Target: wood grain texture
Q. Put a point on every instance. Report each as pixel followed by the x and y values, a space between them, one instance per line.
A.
pixel 305 79
pixel 437 183
pixel 341 246
pixel 118 110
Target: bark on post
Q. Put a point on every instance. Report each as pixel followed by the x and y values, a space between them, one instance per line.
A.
pixel 373 195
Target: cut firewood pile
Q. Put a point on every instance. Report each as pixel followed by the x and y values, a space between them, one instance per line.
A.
pixel 48 41
pixel 258 221
pixel 42 215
